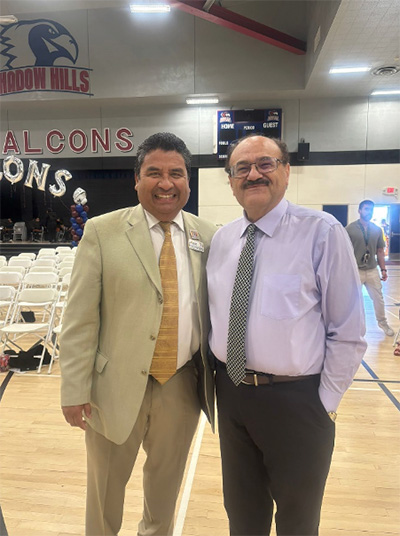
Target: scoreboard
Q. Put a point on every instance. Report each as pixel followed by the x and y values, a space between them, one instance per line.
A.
pixel 234 124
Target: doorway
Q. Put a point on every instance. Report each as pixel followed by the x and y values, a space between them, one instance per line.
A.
pixel 388 218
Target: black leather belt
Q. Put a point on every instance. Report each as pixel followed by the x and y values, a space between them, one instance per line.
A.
pixel 262 378
pixel 255 378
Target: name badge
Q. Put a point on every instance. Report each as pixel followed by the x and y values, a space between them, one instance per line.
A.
pixel 196 245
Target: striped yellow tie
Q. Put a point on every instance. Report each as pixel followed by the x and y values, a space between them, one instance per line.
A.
pixel 164 361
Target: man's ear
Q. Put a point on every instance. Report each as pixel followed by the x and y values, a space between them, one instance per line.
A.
pixel 287 175
pixel 137 178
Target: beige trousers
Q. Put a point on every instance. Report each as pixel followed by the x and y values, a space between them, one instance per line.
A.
pixel 165 426
pixel 373 284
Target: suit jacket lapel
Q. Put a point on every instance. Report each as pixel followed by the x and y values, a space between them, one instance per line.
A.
pixel 195 256
pixel 139 236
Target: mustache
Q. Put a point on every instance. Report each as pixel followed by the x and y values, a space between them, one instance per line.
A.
pixel 260 181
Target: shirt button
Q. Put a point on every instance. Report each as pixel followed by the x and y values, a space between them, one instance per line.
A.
pixel 160 299
pixel 144 372
pixel 152 338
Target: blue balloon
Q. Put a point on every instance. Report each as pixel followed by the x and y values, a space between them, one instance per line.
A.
pixel 83 214
pixel 79 208
pixel 72 220
pixel 75 226
pixel 74 244
pixel 79 232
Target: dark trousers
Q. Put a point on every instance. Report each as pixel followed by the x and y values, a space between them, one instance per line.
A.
pixel 276 446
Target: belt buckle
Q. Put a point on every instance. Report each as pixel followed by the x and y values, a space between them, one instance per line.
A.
pixel 255 380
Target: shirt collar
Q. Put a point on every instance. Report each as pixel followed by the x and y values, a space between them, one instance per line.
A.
pixel 152 221
pixel 268 223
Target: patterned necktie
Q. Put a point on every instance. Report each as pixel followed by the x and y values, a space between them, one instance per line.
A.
pixel 164 361
pixel 236 354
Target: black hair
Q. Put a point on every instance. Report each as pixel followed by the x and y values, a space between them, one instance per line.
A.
pixel 166 141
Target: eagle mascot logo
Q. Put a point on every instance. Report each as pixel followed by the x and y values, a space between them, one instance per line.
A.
pixel 38 42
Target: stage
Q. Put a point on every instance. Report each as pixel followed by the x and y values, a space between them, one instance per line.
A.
pixel 9 249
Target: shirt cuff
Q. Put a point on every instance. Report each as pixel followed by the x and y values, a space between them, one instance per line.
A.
pixel 329 400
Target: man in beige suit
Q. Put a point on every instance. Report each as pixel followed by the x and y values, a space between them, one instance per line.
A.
pixel 109 337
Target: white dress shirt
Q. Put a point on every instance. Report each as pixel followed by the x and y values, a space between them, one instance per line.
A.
pixel 188 323
pixel 306 313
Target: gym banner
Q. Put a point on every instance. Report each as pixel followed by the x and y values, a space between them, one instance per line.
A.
pixel 44 55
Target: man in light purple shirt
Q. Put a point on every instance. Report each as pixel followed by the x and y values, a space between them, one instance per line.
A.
pixel 303 345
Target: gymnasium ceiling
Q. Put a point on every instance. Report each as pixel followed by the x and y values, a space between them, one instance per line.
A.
pixel 338 33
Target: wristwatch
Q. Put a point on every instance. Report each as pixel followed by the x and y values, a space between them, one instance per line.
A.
pixel 332 415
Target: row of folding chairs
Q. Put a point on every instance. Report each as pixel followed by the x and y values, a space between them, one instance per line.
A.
pixel 61 270
pixel 24 261
pixel 42 294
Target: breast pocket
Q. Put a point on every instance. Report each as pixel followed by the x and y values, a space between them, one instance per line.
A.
pixel 281 296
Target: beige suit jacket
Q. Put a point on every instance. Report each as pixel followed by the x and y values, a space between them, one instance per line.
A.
pixel 113 316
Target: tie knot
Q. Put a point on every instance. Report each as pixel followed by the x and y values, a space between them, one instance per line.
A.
pixel 166 226
pixel 251 229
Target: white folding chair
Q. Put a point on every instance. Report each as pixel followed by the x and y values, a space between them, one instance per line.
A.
pixel 64 271
pixel 65 258
pixel 60 308
pixel 31 256
pixel 55 337
pixel 7 301
pixel 3 262
pixel 65 264
pixel 40 279
pixel 46 252
pixel 20 269
pixel 13 279
pixel 63 249
pixel 9 280
pixel 44 261
pixel 42 302
pixel 20 261
pixel 3 258
pixel 42 269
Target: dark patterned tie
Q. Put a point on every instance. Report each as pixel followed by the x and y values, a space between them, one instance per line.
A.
pixel 236 354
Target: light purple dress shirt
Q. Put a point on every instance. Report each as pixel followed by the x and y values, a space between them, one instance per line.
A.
pixel 306 313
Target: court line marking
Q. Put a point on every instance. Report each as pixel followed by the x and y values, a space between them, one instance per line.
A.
pixel 374 381
pixel 387 392
pixel 372 390
pixel 5 382
pixel 187 490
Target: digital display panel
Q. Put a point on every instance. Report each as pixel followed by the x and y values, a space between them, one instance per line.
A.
pixel 234 124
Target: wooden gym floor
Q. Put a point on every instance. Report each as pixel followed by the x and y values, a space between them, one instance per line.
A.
pixel 42 467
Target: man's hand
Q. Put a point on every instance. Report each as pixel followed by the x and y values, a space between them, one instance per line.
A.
pixel 74 415
pixel 384 275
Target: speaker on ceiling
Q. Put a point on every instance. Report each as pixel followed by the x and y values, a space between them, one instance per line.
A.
pixel 303 152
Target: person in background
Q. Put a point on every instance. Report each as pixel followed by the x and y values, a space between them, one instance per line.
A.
pixel 34 228
pixel 369 251
pixel 287 335
pixel 133 349
pixel 386 230
pixel 6 229
pixel 51 225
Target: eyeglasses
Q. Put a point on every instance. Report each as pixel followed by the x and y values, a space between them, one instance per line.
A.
pixel 264 165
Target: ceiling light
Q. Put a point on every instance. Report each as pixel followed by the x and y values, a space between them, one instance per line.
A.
pixel 387 70
pixel 386 92
pixel 150 8
pixel 203 100
pixel 8 19
pixel 338 70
